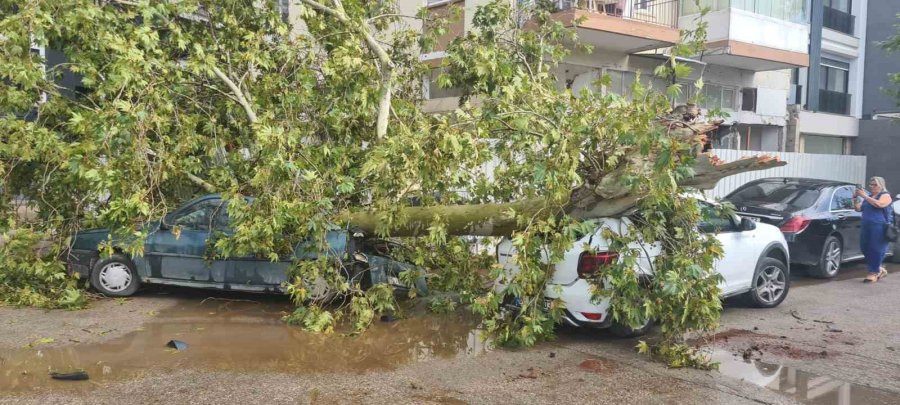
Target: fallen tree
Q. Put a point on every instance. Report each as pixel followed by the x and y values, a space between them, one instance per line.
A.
pixel 325 126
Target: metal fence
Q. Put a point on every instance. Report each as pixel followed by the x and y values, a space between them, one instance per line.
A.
pixel 847 168
pixel 659 12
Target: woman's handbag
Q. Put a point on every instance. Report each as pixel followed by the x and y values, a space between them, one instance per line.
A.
pixel 891 233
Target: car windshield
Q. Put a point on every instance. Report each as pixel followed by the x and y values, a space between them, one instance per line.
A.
pixel 788 195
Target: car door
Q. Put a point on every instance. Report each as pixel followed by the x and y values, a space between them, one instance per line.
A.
pixel 178 249
pixel 740 249
pixel 845 220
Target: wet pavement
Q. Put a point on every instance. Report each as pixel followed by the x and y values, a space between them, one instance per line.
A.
pixel 805 387
pixel 824 345
pixel 242 335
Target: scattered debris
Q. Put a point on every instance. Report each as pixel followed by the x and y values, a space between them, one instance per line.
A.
pixel 80 375
pixel 829 328
pixel 177 345
pixel 796 315
pixel 594 365
pixel 41 341
pixel 552 355
pixel 755 328
pixel 891 348
pixel 531 373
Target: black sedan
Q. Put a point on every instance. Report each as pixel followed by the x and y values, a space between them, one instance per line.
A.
pixel 816 216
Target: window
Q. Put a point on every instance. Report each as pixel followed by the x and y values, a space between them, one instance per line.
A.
pixel 713 219
pixel 833 76
pixel 198 216
pixel 435 91
pixel 840 5
pixel 790 195
pixel 620 82
pixel 827 145
pixel 842 199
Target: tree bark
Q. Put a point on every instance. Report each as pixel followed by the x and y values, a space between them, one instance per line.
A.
pixel 494 219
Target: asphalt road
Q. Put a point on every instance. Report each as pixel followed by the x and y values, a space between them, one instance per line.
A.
pixel 829 342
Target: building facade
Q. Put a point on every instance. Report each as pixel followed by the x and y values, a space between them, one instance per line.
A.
pixel 879 128
pixel 826 100
pixel 753 46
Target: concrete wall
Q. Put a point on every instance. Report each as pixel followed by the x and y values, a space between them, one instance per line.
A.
pixel 878 140
pixel 881 17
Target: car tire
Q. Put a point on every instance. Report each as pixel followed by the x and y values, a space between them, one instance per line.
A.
pixel 830 259
pixel 770 285
pixel 115 276
pixel 623 331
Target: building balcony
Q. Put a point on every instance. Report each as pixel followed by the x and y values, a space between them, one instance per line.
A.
pixel 834 102
pixel 744 38
pixel 838 20
pixel 622 25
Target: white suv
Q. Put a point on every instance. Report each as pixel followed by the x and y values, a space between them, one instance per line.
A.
pixel 754 263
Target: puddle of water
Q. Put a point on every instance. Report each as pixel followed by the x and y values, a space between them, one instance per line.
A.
pixel 800 385
pixel 243 336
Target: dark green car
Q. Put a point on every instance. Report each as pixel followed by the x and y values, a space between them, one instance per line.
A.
pixel 182 259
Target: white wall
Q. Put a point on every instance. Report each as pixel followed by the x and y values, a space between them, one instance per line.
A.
pixel 744 26
pixel 827 167
pixel 828 124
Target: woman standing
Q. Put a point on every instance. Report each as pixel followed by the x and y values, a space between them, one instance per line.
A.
pixel 875 220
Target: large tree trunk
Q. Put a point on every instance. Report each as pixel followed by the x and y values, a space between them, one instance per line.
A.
pixel 587 202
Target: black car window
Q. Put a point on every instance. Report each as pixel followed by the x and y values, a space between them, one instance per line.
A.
pixel 198 216
pixel 790 195
pixel 842 199
pixel 714 220
pixel 222 221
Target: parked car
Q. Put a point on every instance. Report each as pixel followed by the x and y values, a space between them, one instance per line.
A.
pixel 179 257
pixel 816 216
pixel 755 264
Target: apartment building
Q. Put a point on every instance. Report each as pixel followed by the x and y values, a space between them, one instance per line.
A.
pixel 826 100
pixel 753 46
pixel 879 128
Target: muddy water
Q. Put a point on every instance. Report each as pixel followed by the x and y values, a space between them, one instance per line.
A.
pixel 802 386
pixel 242 336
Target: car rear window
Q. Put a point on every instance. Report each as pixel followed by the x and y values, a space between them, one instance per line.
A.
pixel 791 195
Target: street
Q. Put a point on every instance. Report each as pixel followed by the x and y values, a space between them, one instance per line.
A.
pixel 830 342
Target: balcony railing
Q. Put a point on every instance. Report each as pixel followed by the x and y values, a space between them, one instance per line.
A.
pixel 658 12
pixel 834 102
pixel 838 20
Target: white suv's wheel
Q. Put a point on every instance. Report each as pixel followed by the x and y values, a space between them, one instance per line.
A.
pixel 771 283
pixel 621 330
pixel 115 276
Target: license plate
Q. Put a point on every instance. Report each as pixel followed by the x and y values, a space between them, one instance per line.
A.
pixel 754 219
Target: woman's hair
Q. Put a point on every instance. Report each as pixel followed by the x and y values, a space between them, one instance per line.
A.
pixel 880 182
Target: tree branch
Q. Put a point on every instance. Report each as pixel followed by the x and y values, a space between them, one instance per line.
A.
pixel 239 95
pixel 386 65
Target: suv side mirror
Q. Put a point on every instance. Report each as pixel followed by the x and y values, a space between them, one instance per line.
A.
pixel 747 224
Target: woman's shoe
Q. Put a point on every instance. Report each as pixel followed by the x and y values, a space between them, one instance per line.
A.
pixel 872 277
pixel 882 273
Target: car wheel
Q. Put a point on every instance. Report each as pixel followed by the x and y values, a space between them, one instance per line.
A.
pixel 621 330
pixel 830 261
pixel 115 276
pixel 771 283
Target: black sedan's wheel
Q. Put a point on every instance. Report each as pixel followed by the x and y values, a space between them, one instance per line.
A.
pixel 771 283
pixel 115 276
pixel 830 261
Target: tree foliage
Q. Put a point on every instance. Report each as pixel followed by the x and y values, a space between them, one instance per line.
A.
pixel 892 44
pixel 325 127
